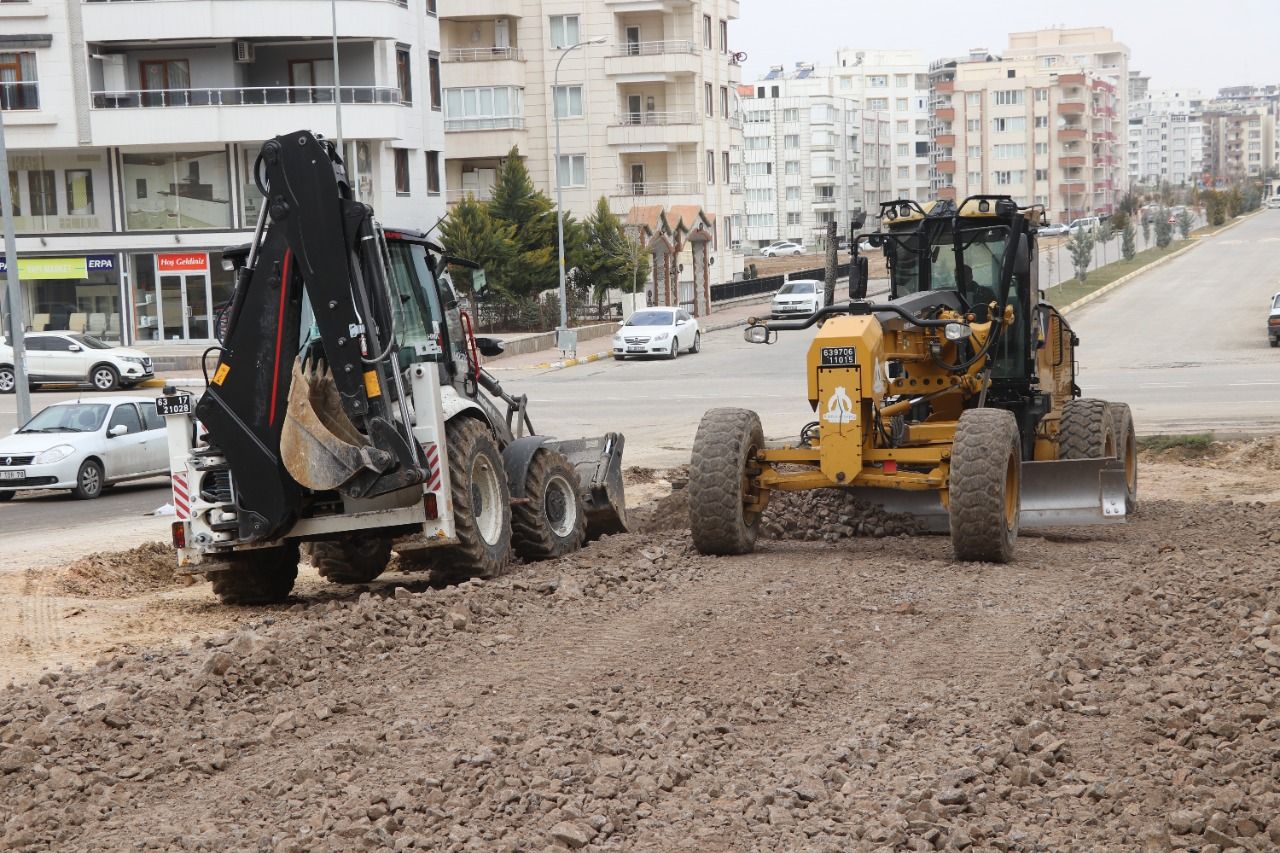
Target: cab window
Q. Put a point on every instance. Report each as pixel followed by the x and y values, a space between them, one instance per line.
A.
pixel 418 306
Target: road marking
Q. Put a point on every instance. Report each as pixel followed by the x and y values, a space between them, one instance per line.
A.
pixel 1243 384
pixel 1164 385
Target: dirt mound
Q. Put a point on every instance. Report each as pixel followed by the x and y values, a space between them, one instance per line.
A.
pixel 1203 452
pixel 121 574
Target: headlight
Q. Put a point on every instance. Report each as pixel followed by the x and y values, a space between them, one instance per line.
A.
pixel 54 454
pixel 131 359
pixel 957 331
pixel 662 337
pixel 617 339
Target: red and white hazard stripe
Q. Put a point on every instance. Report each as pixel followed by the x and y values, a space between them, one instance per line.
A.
pixel 181 496
pixel 433 467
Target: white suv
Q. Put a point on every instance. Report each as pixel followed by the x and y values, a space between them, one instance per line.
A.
pixel 72 357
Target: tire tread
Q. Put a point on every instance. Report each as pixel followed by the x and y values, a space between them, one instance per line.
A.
pixel 984 438
pixel 720 448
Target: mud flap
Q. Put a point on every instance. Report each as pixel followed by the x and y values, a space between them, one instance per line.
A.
pixel 1062 493
pixel 598 463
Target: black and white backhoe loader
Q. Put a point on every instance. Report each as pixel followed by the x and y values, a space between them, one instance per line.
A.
pixel 348 412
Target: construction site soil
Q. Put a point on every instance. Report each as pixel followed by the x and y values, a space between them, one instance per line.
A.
pixel 1113 689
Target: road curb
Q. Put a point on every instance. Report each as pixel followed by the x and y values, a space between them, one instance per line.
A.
pixel 1125 279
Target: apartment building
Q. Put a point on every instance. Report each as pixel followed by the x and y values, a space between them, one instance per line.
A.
pixel 1240 131
pixel 132 130
pixel 649 117
pixel 802 167
pixel 1045 127
pixel 1166 137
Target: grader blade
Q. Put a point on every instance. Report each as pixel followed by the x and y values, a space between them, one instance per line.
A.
pixel 598 463
pixel 1073 492
pixel 320 446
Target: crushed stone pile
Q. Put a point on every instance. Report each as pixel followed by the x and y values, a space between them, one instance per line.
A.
pixel 1114 689
pixel 829 515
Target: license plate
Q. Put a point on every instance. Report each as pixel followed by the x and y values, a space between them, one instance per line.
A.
pixel 178 404
pixel 635 349
pixel 838 356
pixel 13 475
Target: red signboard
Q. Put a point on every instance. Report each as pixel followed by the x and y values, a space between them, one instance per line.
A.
pixel 182 262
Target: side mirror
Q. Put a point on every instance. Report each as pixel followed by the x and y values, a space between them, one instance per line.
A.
pixel 117 431
pixel 859 270
pixel 490 347
pixel 479 283
pixel 756 334
pixel 73 348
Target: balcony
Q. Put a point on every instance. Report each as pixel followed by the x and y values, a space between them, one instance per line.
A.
pixel 1071 134
pixel 655 131
pixel 1071 188
pixel 484 54
pixel 1071 108
pixel 657 188
pixel 1071 162
pixel 945 167
pixel 945 140
pixel 479 194
pixel 171 116
pixel 490 136
pixel 945 114
pixel 211 21
pixel 1071 79
pixel 461 10
pixel 946 193
pixel 944 86
pixel 483 66
pixel 653 61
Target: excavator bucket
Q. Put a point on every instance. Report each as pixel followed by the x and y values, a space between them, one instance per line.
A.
pixel 320 446
pixel 598 462
pixel 1062 493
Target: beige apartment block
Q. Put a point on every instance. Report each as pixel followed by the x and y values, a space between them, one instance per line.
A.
pixel 647 118
pixel 1016 127
pixel 1166 137
pixel 1241 143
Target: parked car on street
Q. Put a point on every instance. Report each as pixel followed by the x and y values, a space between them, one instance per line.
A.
pixel 1053 230
pixel 85 447
pixel 798 297
pixel 657 331
pixel 777 250
pixel 1274 202
pixel 1088 223
pixel 73 357
pixel 1273 321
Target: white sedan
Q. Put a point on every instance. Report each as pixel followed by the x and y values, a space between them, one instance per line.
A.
pixel 799 297
pixel 85 447
pixel 777 250
pixel 657 331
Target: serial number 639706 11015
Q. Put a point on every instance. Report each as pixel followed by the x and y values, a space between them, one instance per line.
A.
pixel 838 357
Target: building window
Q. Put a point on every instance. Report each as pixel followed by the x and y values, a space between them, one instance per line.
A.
pixel 724 101
pixel 878 81
pixel 900 104
pixel 1016 151
pixel 791 140
pixel 19 89
pixel 1011 97
pixel 724 36
pixel 706 31
pixel 44 194
pixel 1042 121
pixel 79 192
pixel 1042 94
pixel 711 167
pixel 973 99
pixel 564 30
pixel 568 101
pixel 404 76
pixel 791 167
pixel 793 218
pixel 1042 148
pixel 904 149
pixel 433 173
pixel 974 152
pixel 791 114
pixel 1008 125
pixel 711 99
pixel 172 190
pixel 433 74
pixel 724 163
pixel 793 194
pixel 1048 61
pixel 973 125
pixel 901 81
pixel 402 170
pixel 573 170
pixel 975 180
pixel 431 8
pixel 483 108
pixel 878 104
pixel 904 172
pixel 902 127
pixel 1042 174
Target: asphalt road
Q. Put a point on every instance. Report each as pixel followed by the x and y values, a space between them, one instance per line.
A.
pixel 1185 344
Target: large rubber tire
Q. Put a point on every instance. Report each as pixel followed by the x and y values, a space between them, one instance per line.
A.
pixel 479 486
pixel 8 380
pixel 554 521
pixel 357 560
pixel 260 576
pixel 104 377
pixel 1086 430
pixel 985 486
pixel 719 482
pixel 1127 445
pixel 89 479
pixel 697 344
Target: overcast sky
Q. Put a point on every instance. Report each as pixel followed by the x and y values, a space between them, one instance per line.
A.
pixel 1205 44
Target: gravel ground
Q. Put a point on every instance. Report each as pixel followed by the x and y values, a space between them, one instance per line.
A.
pixel 1111 690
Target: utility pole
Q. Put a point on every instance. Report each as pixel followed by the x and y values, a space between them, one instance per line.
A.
pixel 833 248
pixel 14 290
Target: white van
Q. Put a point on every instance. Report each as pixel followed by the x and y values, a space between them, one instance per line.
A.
pixel 1088 223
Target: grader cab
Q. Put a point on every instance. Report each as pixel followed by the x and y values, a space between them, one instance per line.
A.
pixel 954 401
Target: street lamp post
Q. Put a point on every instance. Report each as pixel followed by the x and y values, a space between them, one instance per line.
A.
pixel 563 340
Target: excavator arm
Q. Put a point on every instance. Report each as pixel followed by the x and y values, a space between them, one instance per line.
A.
pixel 298 411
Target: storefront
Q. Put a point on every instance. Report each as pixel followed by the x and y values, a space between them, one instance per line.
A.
pixel 79 293
pixel 177 296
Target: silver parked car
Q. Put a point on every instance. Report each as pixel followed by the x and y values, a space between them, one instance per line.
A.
pixel 84 447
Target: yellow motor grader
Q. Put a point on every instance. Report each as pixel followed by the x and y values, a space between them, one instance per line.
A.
pixel 954 401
